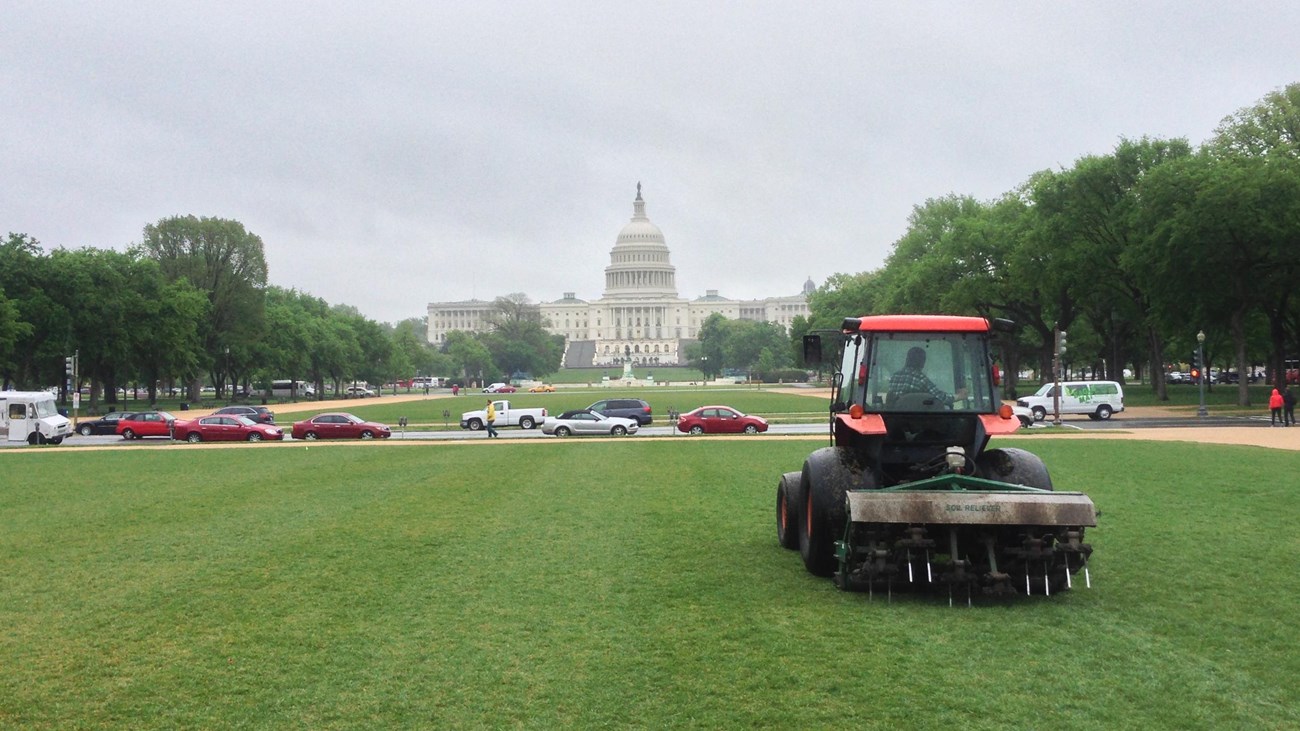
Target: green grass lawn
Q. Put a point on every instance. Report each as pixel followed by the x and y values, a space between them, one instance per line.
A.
pixel 616 583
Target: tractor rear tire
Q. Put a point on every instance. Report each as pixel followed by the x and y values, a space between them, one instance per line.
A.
pixel 787 511
pixel 1014 466
pixel 828 474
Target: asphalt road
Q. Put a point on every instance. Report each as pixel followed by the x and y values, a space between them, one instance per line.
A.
pixel 1080 424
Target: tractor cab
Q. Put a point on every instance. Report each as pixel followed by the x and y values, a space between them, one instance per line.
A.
pixel 911 386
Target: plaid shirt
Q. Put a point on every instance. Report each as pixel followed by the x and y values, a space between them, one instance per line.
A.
pixel 912 380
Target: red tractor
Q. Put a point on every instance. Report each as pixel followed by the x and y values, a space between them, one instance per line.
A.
pixel 909 495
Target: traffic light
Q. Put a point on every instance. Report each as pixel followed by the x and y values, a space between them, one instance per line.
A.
pixel 69 366
pixel 1060 342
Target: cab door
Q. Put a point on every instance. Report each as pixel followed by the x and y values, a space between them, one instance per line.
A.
pixel 14 423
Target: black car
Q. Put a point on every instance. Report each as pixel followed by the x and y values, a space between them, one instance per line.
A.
pixel 106 424
pixel 628 408
pixel 260 414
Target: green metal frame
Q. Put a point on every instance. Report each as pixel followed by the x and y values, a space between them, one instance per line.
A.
pixel 957 483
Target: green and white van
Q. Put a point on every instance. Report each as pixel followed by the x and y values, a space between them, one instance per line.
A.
pixel 1097 399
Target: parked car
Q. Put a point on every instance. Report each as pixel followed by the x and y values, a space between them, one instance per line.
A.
pixel 358 392
pixel 339 426
pixel 544 388
pixel 1178 377
pixel 1024 414
pixel 225 428
pixel 720 420
pixel 146 424
pixel 581 422
pixel 106 424
pixel 500 388
pixel 628 408
pixel 260 414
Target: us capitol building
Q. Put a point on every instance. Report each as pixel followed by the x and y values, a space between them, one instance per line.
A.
pixel 639 319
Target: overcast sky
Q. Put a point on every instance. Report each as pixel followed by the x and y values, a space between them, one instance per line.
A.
pixel 392 154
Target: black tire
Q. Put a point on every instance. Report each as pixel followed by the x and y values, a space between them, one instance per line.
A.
pixel 1104 412
pixel 310 436
pixel 1039 413
pixel 787 511
pixel 618 431
pixel 1025 421
pixel 697 429
pixel 254 436
pixel 194 437
pixel 475 425
pixel 367 434
pixel 828 474
pixel 1014 466
pixel 128 434
pixel 56 441
pixel 562 431
pixel 526 422
pixel 751 429
pixel 85 430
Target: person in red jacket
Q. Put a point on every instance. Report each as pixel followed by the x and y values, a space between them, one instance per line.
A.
pixel 1275 406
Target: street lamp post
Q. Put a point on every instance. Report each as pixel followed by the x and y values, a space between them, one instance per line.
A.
pixel 1205 372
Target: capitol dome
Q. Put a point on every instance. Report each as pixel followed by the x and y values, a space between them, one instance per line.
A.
pixel 639 265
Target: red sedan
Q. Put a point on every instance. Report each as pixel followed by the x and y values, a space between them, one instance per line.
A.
pixel 146 424
pixel 339 426
pixel 225 428
pixel 720 420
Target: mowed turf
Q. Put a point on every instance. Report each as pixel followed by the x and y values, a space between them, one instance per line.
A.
pixel 609 584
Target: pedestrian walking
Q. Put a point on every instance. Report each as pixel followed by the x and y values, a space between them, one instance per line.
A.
pixel 491 417
pixel 1275 403
pixel 1288 406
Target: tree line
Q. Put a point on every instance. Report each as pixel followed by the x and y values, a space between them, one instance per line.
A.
pixel 190 305
pixel 1133 253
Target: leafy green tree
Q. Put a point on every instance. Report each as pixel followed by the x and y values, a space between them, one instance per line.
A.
pixel 30 281
pixel 470 357
pixel 12 331
pixel 843 295
pixel 1095 213
pixel 1227 229
pixel 1269 131
pixel 227 262
pixel 518 340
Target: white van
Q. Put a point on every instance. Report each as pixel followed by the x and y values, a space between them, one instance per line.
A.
pixel 1097 399
pixel 292 389
pixel 31 416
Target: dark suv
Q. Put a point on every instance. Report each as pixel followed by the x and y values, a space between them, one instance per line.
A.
pixel 260 414
pixel 628 408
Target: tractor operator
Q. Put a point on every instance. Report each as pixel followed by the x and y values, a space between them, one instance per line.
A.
pixel 911 378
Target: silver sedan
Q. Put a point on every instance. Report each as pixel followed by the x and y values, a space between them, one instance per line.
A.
pixel 584 421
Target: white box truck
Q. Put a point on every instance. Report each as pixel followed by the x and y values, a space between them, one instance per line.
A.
pixel 31 416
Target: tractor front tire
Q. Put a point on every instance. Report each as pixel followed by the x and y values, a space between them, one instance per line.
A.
pixel 1014 466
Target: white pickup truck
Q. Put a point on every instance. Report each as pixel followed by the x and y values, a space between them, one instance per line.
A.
pixel 506 416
